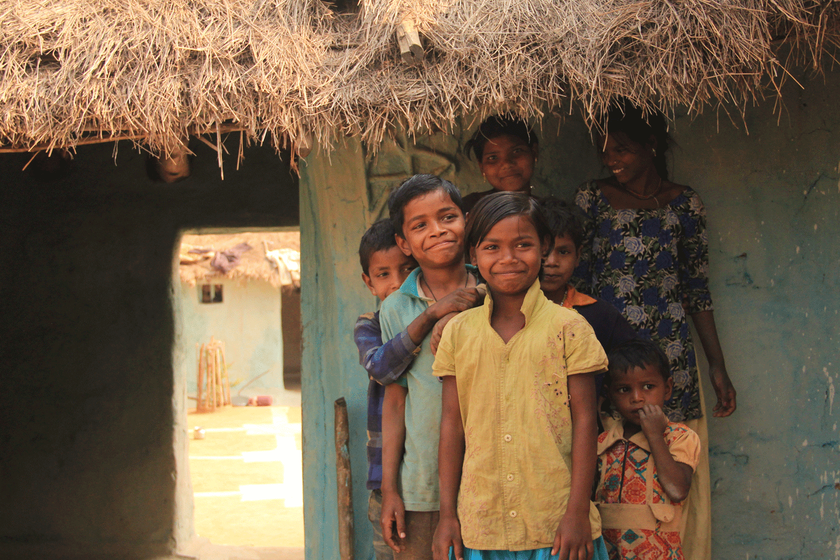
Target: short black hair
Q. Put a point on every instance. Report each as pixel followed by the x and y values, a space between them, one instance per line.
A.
pixel 378 237
pixel 499 125
pixel 494 208
pixel 411 188
pixel 637 353
pixel 563 219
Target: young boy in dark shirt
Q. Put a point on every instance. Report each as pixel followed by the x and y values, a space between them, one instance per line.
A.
pixel 611 328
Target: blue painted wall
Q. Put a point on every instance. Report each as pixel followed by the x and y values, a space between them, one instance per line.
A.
pixel 773 198
pixel 247 321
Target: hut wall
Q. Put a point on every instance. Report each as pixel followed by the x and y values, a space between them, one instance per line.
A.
pixel 773 198
pixel 247 320
pixel 93 427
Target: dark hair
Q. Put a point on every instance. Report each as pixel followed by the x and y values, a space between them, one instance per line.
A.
pixel 637 353
pixel 499 125
pixel 413 187
pixel 494 208
pixel 378 237
pixel 625 118
pixel 563 219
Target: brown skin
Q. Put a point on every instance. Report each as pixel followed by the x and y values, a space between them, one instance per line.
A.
pixel 573 539
pixel 393 447
pixel 507 163
pixel 558 267
pixel 433 233
pixel 509 258
pixel 633 170
pixel 387 270
pixel 450 462
pixel 638 395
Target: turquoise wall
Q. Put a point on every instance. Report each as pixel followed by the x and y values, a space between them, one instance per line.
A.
pixel 248 321
pixel 772 197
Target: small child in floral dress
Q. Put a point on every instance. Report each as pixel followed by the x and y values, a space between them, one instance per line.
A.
pixel 645 462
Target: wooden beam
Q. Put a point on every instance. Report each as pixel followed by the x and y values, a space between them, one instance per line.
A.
pixel 409 40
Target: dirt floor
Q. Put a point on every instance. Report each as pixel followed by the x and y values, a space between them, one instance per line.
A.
pixel 247 479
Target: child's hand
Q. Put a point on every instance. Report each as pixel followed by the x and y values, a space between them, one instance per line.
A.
pixel 573 539
pixel 448 533
pixel 459 300
pixel 653 421
pixel 393 521
pixel 437 331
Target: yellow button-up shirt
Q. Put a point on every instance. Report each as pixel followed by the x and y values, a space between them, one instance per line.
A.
pixel 514 404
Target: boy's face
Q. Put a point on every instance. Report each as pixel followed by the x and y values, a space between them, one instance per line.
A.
pixel 433 230
pixel 388 269
pixel 633 389
pixel 559 265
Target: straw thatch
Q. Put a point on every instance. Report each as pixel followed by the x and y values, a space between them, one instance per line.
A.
pixel 274 258
pixel 293 71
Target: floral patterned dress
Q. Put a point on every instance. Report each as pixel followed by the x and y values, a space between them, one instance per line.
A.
pixel 647 262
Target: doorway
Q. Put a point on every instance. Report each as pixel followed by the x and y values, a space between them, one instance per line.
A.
pixel 239 293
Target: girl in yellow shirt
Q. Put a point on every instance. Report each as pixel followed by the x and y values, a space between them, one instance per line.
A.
pixel 518 428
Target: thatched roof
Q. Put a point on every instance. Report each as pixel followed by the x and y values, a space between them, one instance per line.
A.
pixel 76 71
pixel 274 257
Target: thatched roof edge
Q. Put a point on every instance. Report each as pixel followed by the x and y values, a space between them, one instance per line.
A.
pixel 294 72
pixel 274 257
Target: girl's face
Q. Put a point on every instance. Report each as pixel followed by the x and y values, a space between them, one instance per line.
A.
pixel 626 160
pixel 508 163
pixel 510 255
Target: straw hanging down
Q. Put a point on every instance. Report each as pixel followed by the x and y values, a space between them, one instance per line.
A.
pixel 294 71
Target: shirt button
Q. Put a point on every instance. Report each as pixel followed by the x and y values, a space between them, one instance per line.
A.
pixel 513 514
pixel 508 437
pixel 510 477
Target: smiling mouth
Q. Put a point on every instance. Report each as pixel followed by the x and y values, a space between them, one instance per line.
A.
pixel 441 244
pixel 617 171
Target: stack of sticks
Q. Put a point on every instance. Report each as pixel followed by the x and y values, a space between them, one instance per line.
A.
pixel 213 382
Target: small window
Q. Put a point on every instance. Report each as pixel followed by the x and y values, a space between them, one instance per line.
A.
pixel 211 293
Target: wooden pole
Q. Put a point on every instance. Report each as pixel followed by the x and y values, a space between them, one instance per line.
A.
pixel 345 481
pixel 200 405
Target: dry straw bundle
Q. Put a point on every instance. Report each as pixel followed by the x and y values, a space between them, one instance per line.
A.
pixel 157 71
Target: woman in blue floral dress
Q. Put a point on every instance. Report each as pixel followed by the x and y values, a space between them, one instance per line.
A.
pixel 646 252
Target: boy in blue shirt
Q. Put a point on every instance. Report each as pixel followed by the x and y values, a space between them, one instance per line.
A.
pixel 384 268
pixel 428 219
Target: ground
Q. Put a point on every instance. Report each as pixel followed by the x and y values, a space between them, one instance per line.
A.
pixel 246 476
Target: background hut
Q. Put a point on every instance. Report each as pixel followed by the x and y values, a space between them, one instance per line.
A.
pixel 93 437
pixel 243 289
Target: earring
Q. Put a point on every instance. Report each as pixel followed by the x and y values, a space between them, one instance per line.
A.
pixel 654 151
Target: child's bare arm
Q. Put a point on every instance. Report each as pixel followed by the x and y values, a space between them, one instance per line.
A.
pixel 675 477
pixel 574 535
pixel 450 464
pixel 393 447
